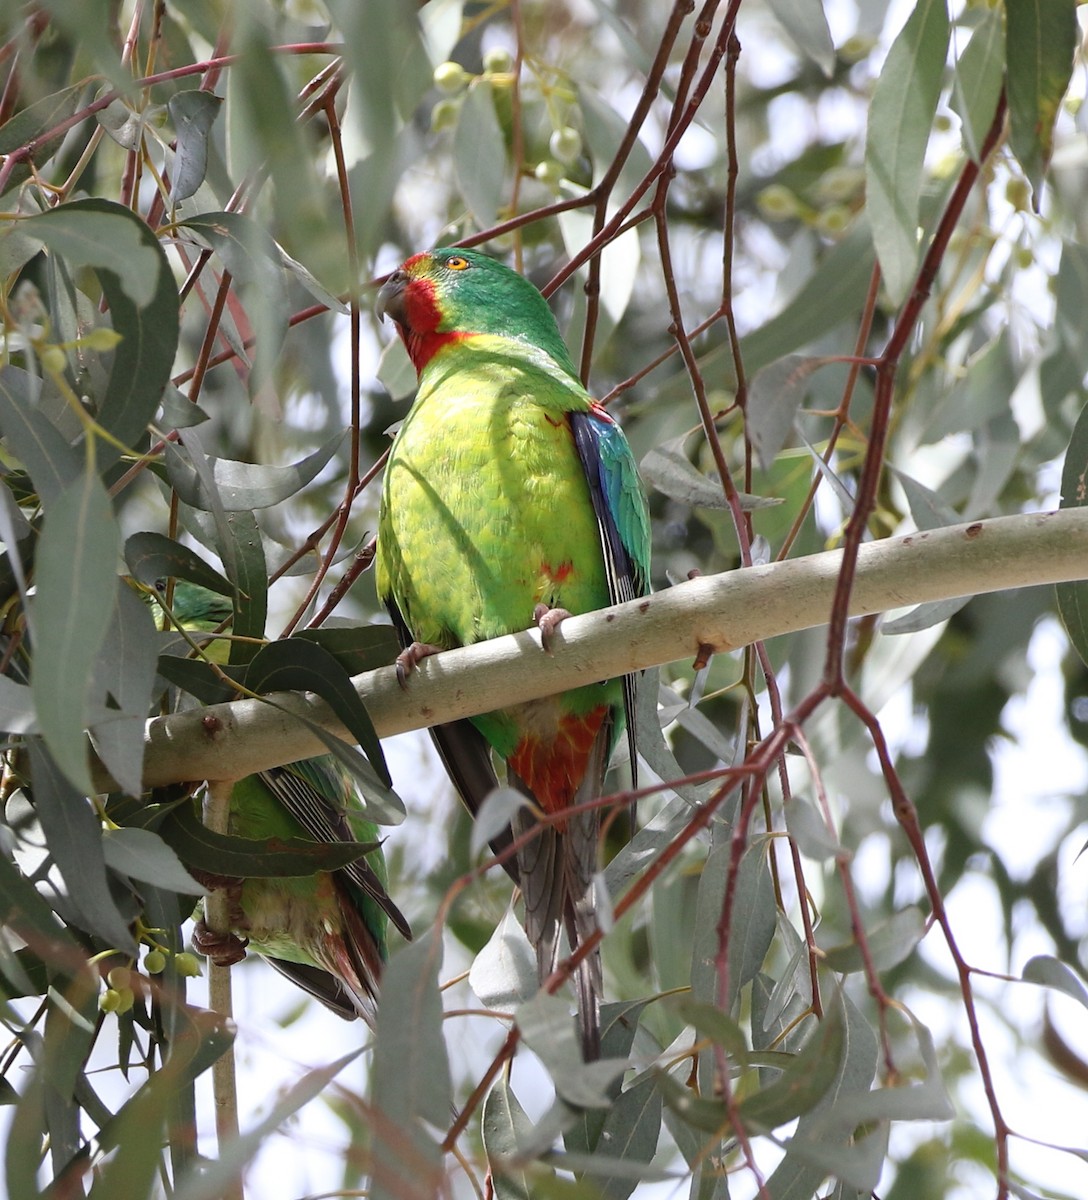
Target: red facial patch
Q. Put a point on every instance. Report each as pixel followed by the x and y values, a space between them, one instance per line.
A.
pixel 555 769
pixel 423 316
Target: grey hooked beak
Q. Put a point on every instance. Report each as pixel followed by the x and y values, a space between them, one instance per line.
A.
pixel 391 298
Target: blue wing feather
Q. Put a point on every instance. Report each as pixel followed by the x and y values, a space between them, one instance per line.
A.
pixel 622 520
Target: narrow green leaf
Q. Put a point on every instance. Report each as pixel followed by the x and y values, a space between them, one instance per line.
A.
pixel 805 1080
pixel 208 1180
pixel 504 1126
pixel 479 154
pixel 35 440
pixel 141 854
pixel 806 23
pixel 900 117
pixel 152 557
pixel 668 469
pixel 242 487
pixel 193 112
pixel 1052 973
pixel 296 664
pixel 357 648
pixel 774 396
pixel 254 858
pixel 23 910
pixel 630 1135
pixel 34 120
pixel 104 235
pixel 76 581
pixel 547 1028
pixel 410 1075
pixel 890 943
pixel 74 836
pixel 979 75
pixel 697 1112
pixel 1040 43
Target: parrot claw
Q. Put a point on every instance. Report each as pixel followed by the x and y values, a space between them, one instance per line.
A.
pixel 548 620
pixel 223 949
pixel 408 660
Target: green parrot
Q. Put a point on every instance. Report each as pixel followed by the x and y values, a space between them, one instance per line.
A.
pixel 325 932
pixel 510 497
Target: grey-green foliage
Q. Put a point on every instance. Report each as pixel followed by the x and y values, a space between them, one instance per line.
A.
pixel 178 373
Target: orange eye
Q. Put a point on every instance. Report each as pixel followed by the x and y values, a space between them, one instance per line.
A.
pixel 457 263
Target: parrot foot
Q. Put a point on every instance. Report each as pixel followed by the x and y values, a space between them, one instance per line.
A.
pixel 223 949
pixel 408 660
pixel 548 620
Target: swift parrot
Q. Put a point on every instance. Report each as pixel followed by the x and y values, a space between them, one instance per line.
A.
pixel 510 497
pixel 325 932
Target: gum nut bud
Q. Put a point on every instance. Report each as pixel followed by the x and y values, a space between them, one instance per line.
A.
pixel 54 360
pixel 778 202
pixel 1018 193
pixel 109 1000
pixel 565 144
pixel 125 999
pixel 101 339
pixel 450 77
pixel 154 962
pixel 187 964
pixel 118 977
pixel 549 171
pixel 444 115
pixel 498 60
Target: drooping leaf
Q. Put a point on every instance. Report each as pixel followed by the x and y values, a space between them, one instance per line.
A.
pixel 271 858
pixel 143 302
pixel 296 664
pixel 806 23
pixel 1050 972
pixel 1040 42
pixel 410 1077
pixel 504 973
pixel 193 112
pixel 977 82
pixel 774 396
pixel 242 487
pixel 890 943
pixel 76 580
pixel 548 1030
pixel 141 854
pixel 43 450
pixel 357 648
pixel 504 1126
pixel 668 469
pixel 900 118
pixel 479 155
pixel 74 836
pixel 152 557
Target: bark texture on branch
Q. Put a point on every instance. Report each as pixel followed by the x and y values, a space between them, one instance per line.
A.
pixel 723 612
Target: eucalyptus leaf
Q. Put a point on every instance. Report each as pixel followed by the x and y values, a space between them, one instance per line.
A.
pixel 76 583
pixel 410 1075
pixel 74 836
pixel 193 112
pixel 900 116
pixel 242 487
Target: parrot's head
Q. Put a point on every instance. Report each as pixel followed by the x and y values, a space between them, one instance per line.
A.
pixel 446 296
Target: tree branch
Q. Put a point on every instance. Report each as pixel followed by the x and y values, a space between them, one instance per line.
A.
pixel 724 611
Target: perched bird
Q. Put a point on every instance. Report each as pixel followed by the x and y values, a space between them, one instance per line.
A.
pixel 510 497
pixel 325 932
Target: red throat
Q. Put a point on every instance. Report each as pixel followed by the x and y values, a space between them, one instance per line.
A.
pixel 554 769
pixel 420 332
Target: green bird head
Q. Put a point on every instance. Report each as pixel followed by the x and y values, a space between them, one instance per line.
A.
pixel 452 296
